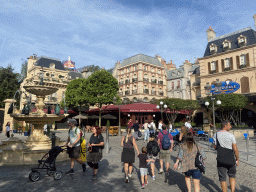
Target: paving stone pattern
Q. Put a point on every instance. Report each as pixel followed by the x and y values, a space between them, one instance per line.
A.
pixel 111 175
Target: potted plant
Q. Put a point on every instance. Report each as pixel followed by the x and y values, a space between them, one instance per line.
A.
pixel 15 127
pixel 26 132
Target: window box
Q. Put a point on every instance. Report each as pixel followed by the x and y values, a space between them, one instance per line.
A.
pixel 242 66
pixel 214 71
pixel 227 69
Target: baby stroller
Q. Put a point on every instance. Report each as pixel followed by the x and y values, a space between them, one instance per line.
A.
pixel 47 163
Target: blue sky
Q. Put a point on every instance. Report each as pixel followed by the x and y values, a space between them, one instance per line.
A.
pixel 101 32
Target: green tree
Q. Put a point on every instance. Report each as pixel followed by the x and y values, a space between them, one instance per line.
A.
pixel 102 88
pixel 24 69
pixel 76 94
pixel 231 106
pixel 9 84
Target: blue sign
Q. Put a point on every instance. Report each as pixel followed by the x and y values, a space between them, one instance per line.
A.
pixel 226 87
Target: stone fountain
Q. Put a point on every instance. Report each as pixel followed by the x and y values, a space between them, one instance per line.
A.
pixel 37 144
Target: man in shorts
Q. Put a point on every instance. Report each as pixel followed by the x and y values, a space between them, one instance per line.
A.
pixel 74 146
pixel 164 155
pixel 226 140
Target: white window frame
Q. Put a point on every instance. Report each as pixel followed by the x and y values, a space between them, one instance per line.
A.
pixel 213 66
pixel 145 68
pixel 135 68
pixel 226 63
pixel 243 58
pixel 152 69
pixel 159 71
pixel 128 69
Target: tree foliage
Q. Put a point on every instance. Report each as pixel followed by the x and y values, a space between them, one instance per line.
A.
pixel 102 87
pixel 231 106
pixel 177 105
pixel 24 69
pixel 76 94
pixel 9 84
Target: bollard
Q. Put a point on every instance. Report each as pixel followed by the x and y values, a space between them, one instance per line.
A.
pixel 246 136
pixel 53 140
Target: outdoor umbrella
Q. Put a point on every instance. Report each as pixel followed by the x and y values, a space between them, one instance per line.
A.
pixel 80 116
pixel 93 117
pixel 108 116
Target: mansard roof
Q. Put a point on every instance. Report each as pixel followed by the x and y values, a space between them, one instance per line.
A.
pixel 233 38
pixel 45 62
pixel 141 58
pixel 175 73
pixel 75 74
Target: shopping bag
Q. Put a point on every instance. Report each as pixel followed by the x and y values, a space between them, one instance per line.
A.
pixel 83 151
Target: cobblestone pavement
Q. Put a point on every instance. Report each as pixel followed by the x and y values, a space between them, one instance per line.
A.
pixel 111 175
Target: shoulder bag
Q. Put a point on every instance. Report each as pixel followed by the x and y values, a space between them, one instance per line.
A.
pixel 225 157
pixel 199 163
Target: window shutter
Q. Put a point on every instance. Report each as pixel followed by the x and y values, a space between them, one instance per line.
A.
pixel 247 60
pixel 217 67
pixel 237 62
pixel 231 63
pixel 209 68
pixel 222 64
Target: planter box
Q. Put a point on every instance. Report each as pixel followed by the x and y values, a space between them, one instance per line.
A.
pixel 15 131
pixel 26 133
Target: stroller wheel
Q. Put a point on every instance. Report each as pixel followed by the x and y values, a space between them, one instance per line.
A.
pixel 57 175
pixel 34 176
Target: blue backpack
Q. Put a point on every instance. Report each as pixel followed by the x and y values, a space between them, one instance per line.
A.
pixel 166 142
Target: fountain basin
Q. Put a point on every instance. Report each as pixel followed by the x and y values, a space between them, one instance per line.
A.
pixel 40 90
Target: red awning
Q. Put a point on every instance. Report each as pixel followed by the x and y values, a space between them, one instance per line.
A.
pixel 139 108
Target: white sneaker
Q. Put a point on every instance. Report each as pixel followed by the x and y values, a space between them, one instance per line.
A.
pixel 130 175
pixel 153 177
pixel 160 171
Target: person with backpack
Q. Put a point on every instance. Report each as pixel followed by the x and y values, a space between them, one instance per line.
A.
pixel 74 147
pixel 153 150
pixel 187 155
pixel 96 144
pixel 152 127
pixel 165 141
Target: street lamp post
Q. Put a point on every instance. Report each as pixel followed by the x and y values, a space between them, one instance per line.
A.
pixel 208 89
pixel 161 104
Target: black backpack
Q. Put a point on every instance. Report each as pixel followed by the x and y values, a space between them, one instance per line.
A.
pixel 154 148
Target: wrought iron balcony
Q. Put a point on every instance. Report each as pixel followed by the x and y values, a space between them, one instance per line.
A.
pixel 160 82
pixel 127 92
pixel 161 93
pixel 145 80
pixel 121 83
pixel 134 91
pixel 153 81
pixel 145 91
pixel 127 81
pixel 134 79
pixel 120 93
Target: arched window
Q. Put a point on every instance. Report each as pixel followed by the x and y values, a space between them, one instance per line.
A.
pixel 145 99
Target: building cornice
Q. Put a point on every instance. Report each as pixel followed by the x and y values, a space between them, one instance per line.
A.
pixel 140 62
pixel 227 52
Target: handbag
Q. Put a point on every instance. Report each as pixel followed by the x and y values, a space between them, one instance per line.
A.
pixel 90 149
pixel 199 163
pixel 225 157
pixel 139 134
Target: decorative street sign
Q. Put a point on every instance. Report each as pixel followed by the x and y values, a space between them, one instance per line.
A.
pixel 226 87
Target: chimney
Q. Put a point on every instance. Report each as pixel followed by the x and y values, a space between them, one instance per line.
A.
pixel 254 16
pixel 158 57
pixel 210 34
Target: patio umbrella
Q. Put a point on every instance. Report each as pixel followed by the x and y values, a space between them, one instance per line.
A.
pixel 93 117
pixel 108 116
pixel 80 116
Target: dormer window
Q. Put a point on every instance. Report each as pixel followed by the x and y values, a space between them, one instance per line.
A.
pixel 213 48
pixel 52 66
pixel 226 44
pixel 242 40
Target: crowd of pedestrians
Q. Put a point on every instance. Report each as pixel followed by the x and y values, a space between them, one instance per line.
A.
pixel 159 145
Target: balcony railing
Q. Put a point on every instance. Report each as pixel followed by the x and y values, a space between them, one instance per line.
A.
pixel 127 92
pixel 127 81
pixel 134 79
pixel 198 97
pixel 161 93
pixel 145 91
pixel 153 81
pixel 177 87
pixel 134 91
pixel 196 83
pixel 153 92
pixel 145 79
pixel 242 66
pixel 160 82
pixel 121 83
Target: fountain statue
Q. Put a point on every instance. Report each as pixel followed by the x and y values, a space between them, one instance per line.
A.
pixel 37 143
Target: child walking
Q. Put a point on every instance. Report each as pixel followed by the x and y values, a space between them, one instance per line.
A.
pixel 152 149
pixel 143 167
